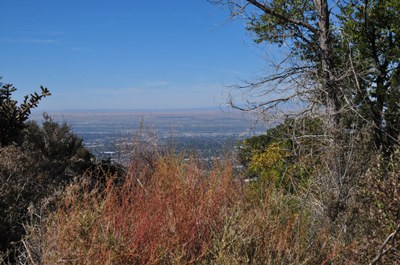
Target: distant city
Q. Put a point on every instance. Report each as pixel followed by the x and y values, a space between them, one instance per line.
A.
pixel 205 133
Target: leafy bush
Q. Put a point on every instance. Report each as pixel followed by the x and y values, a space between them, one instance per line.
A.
pixel 48 157
pixel 57 148
pixel 281 157
pixel 300 136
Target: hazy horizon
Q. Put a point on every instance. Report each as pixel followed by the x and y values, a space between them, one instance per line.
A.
pixel 206 108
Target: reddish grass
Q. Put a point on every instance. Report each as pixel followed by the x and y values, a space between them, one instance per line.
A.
pixel 168 214
pixel 170 211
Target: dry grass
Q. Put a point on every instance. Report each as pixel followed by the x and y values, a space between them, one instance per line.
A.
pixel 176 212
pixel 168 216
pixel 167 210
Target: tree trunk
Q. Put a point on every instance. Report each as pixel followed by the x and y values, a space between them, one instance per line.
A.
pixel 327 65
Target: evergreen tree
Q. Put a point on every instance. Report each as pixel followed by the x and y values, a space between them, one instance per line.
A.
pixel 342 57
pixel 12 116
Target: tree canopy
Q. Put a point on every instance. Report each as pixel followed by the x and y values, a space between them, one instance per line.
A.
pixel 341 57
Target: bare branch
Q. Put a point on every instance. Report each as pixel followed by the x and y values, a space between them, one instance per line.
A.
pixel 284 18
pixel 389 240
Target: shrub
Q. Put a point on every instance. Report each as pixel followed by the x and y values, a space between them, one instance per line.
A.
pixel 171 211
pixel 300 136
pixel 375 212
pixel 20 182
pixel 57 149
pixel 47 159
pixel 166 210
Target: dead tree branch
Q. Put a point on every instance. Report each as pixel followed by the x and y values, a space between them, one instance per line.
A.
pixel 383 250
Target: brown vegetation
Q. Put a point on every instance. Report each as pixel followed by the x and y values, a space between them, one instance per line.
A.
pixel 166 210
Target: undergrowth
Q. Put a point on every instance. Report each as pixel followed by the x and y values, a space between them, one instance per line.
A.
pixel 169 210
pixel 173 211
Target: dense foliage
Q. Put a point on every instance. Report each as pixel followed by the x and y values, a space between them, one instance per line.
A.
pixel 340 56
pixel 48 157
pixel 12 116
pixel 35 161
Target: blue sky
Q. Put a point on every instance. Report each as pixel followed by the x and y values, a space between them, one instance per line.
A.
pixel 124 54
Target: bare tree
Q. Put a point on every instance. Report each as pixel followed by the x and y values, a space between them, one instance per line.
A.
pixel 338 56
pixel 307 72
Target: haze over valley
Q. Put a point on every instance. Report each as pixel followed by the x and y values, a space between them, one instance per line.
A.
pixel 206 132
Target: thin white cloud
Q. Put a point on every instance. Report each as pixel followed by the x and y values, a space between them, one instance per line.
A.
pixel 156 83
pixel 80 49
pixel 226 71
pixel 115 91
pixel 31 41
pixel 50 33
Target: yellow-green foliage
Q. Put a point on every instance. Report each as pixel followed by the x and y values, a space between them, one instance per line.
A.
pixel 277 167
pixel 269 168
pixel 271 161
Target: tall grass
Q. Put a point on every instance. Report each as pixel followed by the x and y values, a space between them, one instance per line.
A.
pixel 167 210
pixel 170 214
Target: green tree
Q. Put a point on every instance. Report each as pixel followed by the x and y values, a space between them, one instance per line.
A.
pixel 342 57
pixel 12 116
pixel 371 30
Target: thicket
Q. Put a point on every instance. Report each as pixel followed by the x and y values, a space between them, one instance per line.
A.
pixel 35 161
pixel 167 210
pixel 287 207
